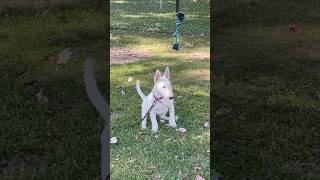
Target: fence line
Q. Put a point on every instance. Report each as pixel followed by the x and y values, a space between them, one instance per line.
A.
pixel 158 16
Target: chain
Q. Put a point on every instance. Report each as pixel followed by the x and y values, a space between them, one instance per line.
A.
pixel 153 104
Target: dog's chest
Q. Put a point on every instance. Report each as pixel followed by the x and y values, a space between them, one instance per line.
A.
pixel 162 108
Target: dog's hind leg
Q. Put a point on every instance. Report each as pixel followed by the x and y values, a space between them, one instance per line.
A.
pixel 143 121
pixel 163 117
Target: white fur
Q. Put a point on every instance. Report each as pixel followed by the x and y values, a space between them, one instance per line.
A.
pixel 162 88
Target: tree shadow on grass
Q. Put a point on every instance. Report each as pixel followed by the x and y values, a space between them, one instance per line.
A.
pixel 271 95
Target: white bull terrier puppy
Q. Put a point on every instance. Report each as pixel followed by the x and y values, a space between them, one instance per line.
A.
pixel 162 96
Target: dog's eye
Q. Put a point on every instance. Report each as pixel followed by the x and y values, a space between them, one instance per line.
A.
pixel 163 86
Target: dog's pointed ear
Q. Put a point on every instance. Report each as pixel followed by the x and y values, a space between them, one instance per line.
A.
pixel 157 75
pixel 167 73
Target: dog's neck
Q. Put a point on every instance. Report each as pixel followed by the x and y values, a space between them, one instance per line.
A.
pixel 156 98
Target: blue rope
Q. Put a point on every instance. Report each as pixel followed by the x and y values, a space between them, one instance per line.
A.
pixel 176 34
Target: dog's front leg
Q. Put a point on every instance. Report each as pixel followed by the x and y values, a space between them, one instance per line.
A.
pixel 172 120
pixel 154 122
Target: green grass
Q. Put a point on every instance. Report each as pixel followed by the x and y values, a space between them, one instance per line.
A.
pixel 269 80
pixel 58 139
pixel 172 155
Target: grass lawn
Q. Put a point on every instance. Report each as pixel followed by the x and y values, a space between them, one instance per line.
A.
pixel 59 138
pixel 172 155
pixel 266 92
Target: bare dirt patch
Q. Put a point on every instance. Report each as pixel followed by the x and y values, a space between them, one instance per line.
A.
pixel 199 55
pixel 126 55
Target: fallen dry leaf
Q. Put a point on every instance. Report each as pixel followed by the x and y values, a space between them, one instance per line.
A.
pixel 64 56
pixel 296 30
pixel 206 125
pixel 113 140
pixel 182 130
pixel 196 167
pixel 50 57
pixel 199 178
pixel 26 79
pixel 41 98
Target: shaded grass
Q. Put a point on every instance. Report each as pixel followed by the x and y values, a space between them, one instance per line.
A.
pixel 269 79
pixel 172 155
pixel 60 138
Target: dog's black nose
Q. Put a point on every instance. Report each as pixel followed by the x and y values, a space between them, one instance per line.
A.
pixel 171 97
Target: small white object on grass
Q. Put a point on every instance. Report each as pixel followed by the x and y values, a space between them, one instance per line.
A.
pixel 206 125
pixel 182 130
pixel 129 79
pixel 64 56
pixel 113 140
pixel 122 92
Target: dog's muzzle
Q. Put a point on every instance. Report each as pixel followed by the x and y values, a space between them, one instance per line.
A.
pixel 171 97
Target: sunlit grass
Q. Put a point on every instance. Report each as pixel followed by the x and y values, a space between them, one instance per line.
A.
pixel 172 155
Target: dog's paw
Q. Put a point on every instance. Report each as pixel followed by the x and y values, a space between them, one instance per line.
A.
pixel 154 130
pixel 143 128
pixel 143 125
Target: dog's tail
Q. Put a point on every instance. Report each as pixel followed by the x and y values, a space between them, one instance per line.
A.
pixel 139 90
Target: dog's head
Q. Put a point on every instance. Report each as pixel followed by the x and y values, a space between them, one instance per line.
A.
pixel 162 84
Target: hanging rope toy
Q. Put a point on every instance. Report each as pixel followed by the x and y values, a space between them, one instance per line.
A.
pixel 176 34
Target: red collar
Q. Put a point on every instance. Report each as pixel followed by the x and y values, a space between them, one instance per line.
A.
pixel 157 98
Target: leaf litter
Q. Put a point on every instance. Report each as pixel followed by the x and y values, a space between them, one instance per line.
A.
pixel 41 98
pixel 64 56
